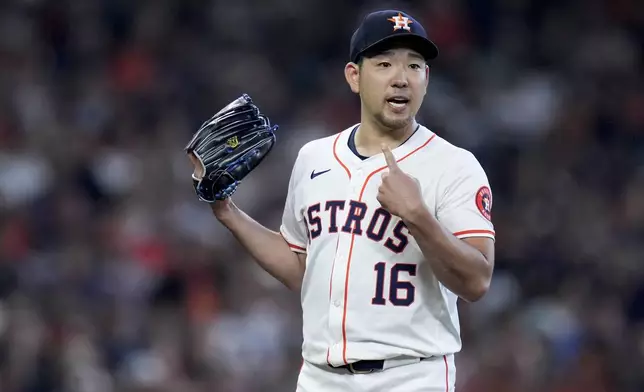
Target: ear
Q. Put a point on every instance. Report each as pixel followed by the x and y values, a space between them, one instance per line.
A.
pixel 427 69
pixel 352 74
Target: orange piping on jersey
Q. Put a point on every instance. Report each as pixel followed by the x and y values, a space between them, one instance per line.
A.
pixel 335 155
pixel 346 276
pixel 344 312
pixel 290 245
pixel 297 247
pixel 446 374
pixel 337 242
pixel 490 232
pixel 293 246
pixel 384 167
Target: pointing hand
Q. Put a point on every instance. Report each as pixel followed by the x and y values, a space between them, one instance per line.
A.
pixel 399 192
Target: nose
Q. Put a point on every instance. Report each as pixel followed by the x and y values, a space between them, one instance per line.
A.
pixel 400 78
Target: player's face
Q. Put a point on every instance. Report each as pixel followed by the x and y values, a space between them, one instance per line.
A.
pixel 392 86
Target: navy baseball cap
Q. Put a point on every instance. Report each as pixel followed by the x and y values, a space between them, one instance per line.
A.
pixel 381 30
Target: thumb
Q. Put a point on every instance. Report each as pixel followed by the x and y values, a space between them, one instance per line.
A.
pixel 199 169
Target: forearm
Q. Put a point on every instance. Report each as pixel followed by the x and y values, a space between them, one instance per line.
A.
pixel 460 267
pixel 267 247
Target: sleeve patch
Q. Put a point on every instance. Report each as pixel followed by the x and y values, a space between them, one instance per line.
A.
pixel 484 202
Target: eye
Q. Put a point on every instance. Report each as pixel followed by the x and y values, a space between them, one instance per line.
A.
pixel 384 64
pixel 415 66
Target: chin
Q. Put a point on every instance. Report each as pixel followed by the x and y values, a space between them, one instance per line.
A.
pixel 394 122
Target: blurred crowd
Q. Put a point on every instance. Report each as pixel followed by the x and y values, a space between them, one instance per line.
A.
pixel 113 277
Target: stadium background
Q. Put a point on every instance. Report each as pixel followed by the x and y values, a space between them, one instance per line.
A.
pixel 114 278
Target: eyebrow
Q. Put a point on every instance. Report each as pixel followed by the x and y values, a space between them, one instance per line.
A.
pixel 416 56
pixel 412 54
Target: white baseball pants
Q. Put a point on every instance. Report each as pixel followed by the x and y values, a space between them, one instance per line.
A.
pixel 436 374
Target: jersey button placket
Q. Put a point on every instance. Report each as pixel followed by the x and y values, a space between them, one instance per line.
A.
pixel 337 311
pixel 336 305
pixel 356 184
pixel 337 292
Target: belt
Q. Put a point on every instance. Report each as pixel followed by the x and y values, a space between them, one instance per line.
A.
pixel 363 367
pixel 370 366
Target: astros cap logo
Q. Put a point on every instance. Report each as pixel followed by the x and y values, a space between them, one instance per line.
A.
pixel 401 22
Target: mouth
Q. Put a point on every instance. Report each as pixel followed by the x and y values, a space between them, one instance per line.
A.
pixel 398 102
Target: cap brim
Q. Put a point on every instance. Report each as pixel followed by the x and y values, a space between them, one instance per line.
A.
pixel 420 44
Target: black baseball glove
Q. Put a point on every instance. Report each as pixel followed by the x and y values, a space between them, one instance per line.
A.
pixel 230 145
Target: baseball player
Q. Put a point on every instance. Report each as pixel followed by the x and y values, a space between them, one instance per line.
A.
pixel 385 226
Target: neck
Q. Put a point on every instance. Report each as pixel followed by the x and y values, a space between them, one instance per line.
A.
pixel 370 136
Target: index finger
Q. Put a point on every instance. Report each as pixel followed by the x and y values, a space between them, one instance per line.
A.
pixel 389 157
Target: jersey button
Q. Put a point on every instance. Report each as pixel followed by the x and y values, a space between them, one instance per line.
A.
pixel 337 303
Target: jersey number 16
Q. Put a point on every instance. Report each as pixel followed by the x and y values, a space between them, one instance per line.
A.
pixel 401 292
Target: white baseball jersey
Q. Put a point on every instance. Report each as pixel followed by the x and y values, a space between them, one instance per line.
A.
pixel 367 292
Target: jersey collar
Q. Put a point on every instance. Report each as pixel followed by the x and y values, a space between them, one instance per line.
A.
pixel 347 158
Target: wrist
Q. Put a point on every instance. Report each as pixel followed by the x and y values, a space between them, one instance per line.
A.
pixel 416 214
pixel 422 224
pixel 420 219
pixel 223 210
